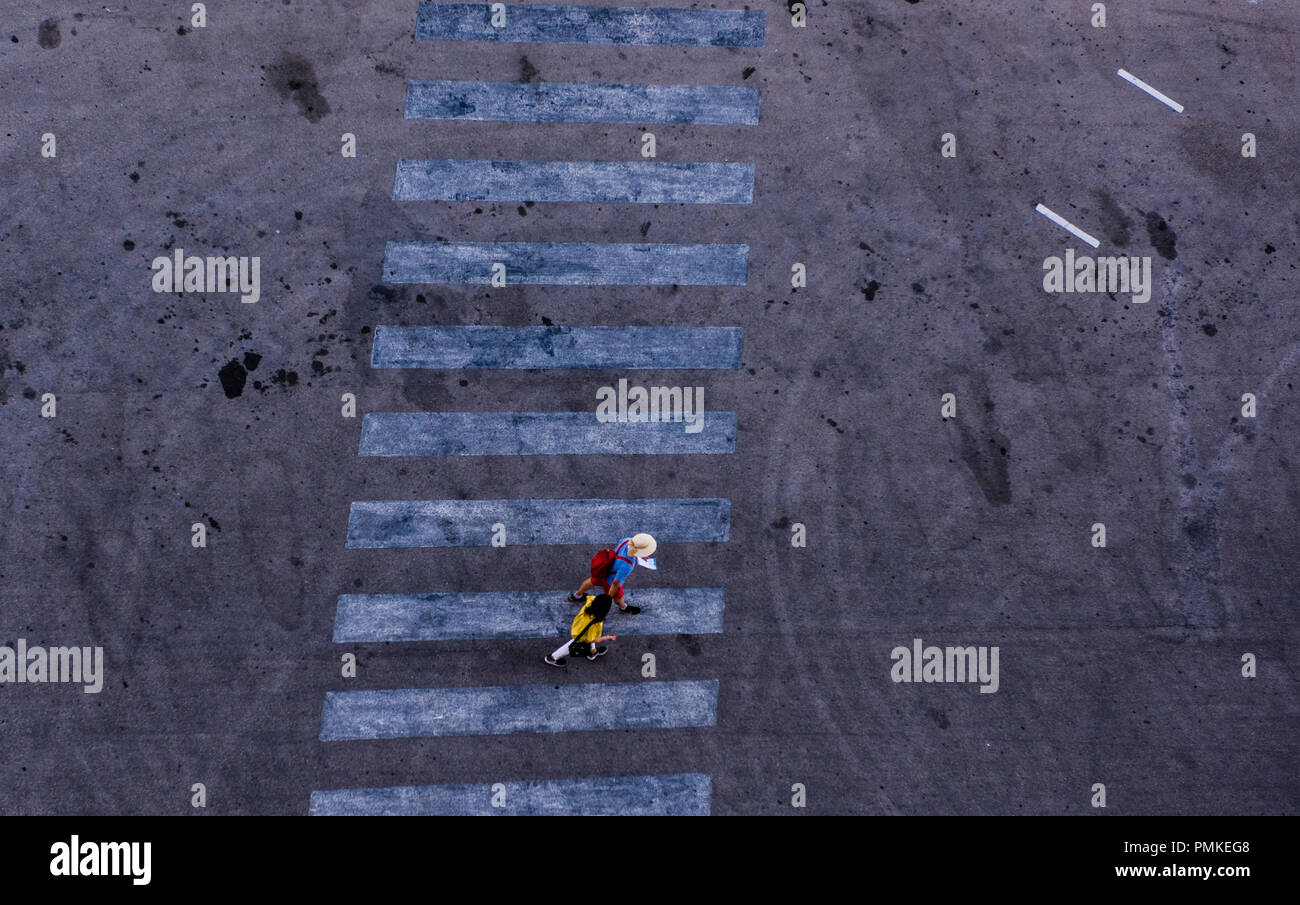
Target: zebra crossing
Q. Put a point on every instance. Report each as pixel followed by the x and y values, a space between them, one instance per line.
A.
pixel 409 713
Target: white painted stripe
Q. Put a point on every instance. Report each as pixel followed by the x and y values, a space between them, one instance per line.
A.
pixel 376 524
pixel 573 102
pixel 636 348
pixel 456 616
pixel 546 24
pixel 567 263
pixel 1164 99
pixel 510 709
pixel 542 434
pixel 611 182
pixel 676 795
pixel 1067 225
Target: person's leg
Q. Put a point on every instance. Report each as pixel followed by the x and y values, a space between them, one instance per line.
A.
pixel 562 651
pixel 584 588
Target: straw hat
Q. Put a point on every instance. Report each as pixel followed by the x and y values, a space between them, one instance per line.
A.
pixel 642 545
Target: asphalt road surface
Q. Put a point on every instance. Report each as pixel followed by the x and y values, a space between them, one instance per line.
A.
pixel 827 513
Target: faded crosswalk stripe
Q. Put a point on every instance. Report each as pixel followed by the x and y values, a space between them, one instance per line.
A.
pixel 500 615
pixel 587 348
pixel 541 24
pixel 615 182
pixel 539 434
pixel 566 263
pixel 577 102
pixel 468 523
pixel 675 795
pixel 509 709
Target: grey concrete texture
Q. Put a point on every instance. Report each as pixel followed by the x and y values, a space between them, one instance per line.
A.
pixel 1119 665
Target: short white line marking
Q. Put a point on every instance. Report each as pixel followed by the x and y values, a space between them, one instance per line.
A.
pixel 1130 77
pixel 1067 225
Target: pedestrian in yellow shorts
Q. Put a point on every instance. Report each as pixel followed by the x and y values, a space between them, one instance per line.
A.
pixel 586 633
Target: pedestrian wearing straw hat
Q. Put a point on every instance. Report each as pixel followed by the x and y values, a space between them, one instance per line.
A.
pixel 610 569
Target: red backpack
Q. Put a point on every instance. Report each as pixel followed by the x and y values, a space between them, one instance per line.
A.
pixel 603 562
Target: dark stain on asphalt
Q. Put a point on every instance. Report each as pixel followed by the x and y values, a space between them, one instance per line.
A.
pixel 987 459
pixel 1162 237
pixel 381 293
pixel 233 377
pixel 292 76
pixel 984 449
pixel 1114 221
pixel 48 36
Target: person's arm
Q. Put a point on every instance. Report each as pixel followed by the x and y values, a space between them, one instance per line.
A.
pixel 605 638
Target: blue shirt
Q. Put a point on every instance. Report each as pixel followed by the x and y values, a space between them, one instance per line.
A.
pixel 621 569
